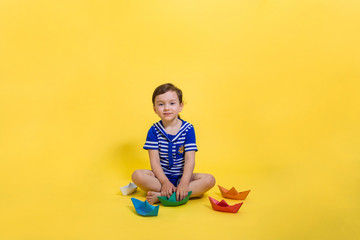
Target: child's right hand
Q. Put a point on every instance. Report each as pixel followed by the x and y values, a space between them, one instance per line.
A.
pixel 167 189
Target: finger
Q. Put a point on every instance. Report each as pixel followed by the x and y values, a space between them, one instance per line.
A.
pixel 184 195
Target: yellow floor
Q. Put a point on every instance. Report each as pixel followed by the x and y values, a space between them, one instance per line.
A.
pixel 287 202
pixel 272 88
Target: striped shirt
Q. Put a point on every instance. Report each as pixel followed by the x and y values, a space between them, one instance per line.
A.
pixel 177 145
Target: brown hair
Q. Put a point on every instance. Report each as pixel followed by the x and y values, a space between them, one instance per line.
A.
pixel 166 88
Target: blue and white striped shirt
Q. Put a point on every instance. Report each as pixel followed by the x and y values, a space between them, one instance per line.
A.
pixel 183 141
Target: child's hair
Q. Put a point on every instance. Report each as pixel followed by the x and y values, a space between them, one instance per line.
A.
pixel 165 88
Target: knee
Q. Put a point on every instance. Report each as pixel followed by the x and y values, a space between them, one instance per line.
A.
pixel 210 181
pixel 137 176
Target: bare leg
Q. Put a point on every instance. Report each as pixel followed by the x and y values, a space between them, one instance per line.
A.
pixel 201 183
pixel 146 180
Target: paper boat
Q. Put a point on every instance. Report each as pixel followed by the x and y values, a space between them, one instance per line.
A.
pixel 233 194
pixel 171 201
pixel 128 189
pixel 144 208
pixel 223 206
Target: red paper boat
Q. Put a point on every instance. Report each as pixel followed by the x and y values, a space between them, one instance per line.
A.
pixel 223 206
pixel 233 194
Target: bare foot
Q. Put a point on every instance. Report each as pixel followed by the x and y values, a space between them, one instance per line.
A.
pixel 152 197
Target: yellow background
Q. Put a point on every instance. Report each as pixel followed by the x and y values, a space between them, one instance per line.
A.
pixel 272 88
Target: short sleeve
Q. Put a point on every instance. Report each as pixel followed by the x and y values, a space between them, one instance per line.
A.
pixel 190 140
pixel 151 140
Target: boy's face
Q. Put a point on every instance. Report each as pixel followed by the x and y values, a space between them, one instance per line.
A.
pixel 167 106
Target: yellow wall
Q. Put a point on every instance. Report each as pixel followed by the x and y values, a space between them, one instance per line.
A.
pixel 272 88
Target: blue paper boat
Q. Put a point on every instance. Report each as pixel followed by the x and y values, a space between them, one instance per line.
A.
pixel 145 208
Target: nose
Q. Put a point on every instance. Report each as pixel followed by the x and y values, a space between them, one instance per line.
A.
pixel 167 106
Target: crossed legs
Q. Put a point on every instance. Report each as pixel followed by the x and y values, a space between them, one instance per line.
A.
pixel 147 181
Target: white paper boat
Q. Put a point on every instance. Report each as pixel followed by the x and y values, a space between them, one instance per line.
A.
pixel 128 189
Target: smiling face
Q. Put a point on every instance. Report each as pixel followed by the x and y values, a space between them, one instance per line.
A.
pixel 167 106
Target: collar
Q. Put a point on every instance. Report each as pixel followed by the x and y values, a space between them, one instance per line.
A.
pixel 159 125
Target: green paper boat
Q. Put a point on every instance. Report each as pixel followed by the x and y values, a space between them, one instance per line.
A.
pixel 171 202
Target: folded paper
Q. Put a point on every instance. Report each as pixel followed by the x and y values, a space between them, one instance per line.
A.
pixel 233 193
pixel 128 189
pixel 144 208
pixel 223 206
pixel 171 201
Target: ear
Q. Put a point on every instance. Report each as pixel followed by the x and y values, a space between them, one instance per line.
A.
pixel 154 109
pixel 181 107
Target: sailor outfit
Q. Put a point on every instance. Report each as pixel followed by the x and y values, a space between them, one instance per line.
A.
pixel 173 163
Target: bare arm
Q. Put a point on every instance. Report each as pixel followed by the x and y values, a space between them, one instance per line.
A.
pixel 156 167
pixel 167 188
pixel 183 187
pixel 188 167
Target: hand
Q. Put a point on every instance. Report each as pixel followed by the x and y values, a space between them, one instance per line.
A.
pixel 182 191
pixel 167 189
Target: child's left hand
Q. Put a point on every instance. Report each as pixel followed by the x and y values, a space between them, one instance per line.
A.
pixel 182 191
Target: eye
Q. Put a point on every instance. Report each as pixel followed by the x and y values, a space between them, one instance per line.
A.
pixel 160 104
pixel 172 103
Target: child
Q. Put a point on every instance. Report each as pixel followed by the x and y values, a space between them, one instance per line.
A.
pixel 171 172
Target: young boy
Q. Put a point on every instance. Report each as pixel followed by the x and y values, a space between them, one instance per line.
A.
pixel 171 144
